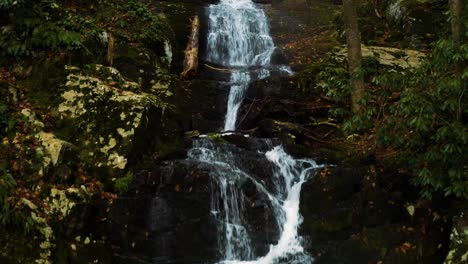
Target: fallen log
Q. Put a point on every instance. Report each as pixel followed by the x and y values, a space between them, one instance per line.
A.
pixel 191 52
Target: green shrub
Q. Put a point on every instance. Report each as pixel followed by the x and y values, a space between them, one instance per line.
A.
pixel 30 27
pixel 427 124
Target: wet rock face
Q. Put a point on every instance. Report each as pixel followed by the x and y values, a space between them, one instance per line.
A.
pixel 246 155
pixel 201 105
pixel 166 216
pixel 263 1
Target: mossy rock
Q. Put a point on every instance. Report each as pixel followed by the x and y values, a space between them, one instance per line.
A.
pixel 109 116
pixel 59 157
pixel 392 57
pixel 458 252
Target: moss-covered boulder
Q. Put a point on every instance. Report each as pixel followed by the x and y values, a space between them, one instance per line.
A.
pixel 393 57
pixel 458 252
pixel 53 157
pixel 104 115
pixel 59 156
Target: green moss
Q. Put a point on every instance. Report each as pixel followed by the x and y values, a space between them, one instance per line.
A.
pixel 107 123
pixel 216 137
pixel 121 184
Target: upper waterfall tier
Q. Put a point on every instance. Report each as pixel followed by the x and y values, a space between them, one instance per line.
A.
pixel 238 34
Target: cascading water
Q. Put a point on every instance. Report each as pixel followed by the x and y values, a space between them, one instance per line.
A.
pixel 227 199
pixel 239 38
pixel 287 177
pixel 239 83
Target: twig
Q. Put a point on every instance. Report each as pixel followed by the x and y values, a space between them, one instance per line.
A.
pixel 327 123
pixel 248 111
pixel 328 134
pixel 220 69
pixel 242 132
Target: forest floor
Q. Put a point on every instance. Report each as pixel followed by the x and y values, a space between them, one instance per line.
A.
pixel 304 30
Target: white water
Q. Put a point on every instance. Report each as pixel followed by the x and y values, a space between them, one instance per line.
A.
pixel 290 176
pixel 239 84
pixel 238 36
pixel 228 199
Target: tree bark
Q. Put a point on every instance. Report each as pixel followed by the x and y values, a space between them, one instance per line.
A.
pixel 110 48
pixel 457 36
pixel 353 39
pixel 455 10
pixel 191 52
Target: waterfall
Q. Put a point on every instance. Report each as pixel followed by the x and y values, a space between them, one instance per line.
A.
pixel 227 199
pixel 239 84
pixel 238 37
pixel 227 204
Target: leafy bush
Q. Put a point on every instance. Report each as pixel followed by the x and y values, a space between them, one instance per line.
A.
pixel 427 124
pixel 29 27
pixel 156 30
pixel 418 114
pixel 333 82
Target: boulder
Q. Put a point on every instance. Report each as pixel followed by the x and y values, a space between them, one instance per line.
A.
pixel 59 156
pixel 458 251
pixel 106 114
pixel 393 57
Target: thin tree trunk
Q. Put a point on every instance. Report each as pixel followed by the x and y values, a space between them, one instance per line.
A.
pixel 191 52
pixel 457 31
pixel 110 48
pixel 455 10
pixel 353 39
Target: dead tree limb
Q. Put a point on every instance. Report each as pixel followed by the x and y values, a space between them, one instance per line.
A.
pixel 220 69
pixel 191 52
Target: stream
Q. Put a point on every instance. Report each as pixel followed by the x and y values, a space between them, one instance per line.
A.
pixel 110 155
pixel 239 39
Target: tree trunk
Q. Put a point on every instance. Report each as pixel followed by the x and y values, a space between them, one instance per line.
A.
pixel 457 35
pixel 110 48
pixel 191 52
pixel 455 10
pixel 353 40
